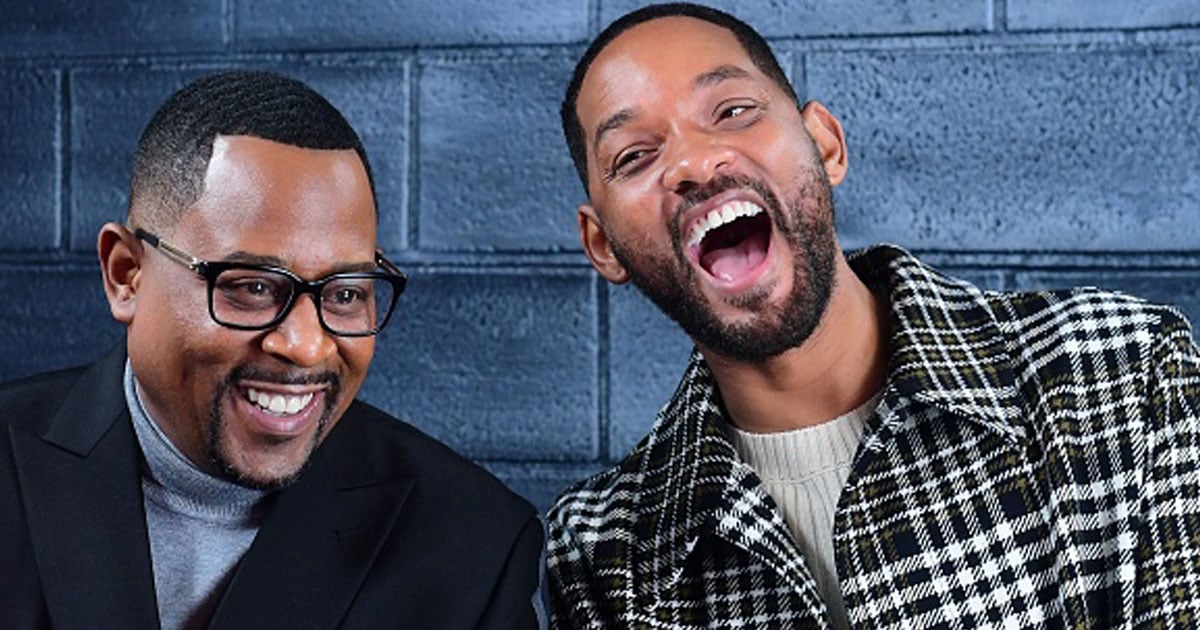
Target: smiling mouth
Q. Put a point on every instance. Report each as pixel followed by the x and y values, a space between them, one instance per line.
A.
pixel 731 241
pixel 277 404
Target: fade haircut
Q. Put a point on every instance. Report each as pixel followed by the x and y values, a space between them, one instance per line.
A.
pixel 175 148
pixel 755 46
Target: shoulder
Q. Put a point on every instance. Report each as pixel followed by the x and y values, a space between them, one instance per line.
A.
pixel 602 508
pixel 33 400
pixel 1085 321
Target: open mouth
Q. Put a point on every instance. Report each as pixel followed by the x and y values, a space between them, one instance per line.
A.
pixel 732 241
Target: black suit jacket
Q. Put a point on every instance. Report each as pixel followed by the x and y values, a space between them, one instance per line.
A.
pixel 385 527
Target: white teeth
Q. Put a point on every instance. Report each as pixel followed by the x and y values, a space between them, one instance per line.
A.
pixel 721 216
pixel 279 404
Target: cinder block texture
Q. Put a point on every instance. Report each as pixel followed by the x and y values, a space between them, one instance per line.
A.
pixel 1032 150
pixel 29 212
pixel 54 317
pixel 306 24
pixel 499 365
pixel 110 107
pixel 647 355
pixel 59 27
pixel 494 168
pixel 1177 288
pixel 774 18
pixel 1088 14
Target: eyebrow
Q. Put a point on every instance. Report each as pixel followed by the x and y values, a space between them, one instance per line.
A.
pixel 717 75
pixel 612 123
pixel 274 261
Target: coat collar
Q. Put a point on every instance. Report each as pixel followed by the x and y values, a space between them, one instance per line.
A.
pixel 81 485
pixel 947 351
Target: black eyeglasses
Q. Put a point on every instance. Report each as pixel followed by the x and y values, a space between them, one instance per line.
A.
pixel 246 296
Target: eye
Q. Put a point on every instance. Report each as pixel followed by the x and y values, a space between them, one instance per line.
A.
pixel 737 113
pixel 629 161
pixel 348 295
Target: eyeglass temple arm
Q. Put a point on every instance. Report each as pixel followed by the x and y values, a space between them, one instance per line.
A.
pixel 386 264
pixel 191 262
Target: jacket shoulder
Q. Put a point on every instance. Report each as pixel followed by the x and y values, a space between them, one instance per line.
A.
pixel 36 398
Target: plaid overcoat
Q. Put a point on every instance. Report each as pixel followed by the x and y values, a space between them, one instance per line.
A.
pixel 1032 464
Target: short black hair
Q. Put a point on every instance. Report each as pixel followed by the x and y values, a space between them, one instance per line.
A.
pixel 755 46
pixel 176 146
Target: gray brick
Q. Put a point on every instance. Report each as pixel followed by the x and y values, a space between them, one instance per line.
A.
pixel 773 18
pixel 647 355
pixel 110 107
pixel 1177 288
pixel 1035 150
pixel 62 27
pixel 1094 14
pixel 29 214
pixel 290 24
pixel 494 169
pixel 54 317
pixel 499 365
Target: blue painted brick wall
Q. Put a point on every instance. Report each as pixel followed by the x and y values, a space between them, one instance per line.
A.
pixel 1018 144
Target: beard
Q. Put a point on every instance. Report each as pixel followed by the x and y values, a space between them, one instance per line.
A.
pixel 223 461
pixel 806 223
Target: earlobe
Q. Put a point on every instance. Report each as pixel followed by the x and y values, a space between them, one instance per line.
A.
pixel 120 264
pixel 597 248
pixel 829 138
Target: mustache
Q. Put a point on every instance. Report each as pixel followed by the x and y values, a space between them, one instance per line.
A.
pixel 283 377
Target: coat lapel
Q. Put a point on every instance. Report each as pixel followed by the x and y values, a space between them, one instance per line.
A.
pixel 81 486
pixel 320 537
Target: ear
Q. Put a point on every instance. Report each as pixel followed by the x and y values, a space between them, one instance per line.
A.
pixel 121 264
pixel 827 134
pixel 595 245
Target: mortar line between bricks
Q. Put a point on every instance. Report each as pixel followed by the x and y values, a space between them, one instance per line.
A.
pixel 603 364
pixel 412 227
pixel 64 160
pixel 1000 16
pixel 593 18
pixel 227 23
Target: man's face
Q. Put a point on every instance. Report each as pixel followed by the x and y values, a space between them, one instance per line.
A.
pixel 310 211
pixel 706 188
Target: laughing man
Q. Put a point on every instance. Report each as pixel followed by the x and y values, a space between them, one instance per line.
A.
pixel 216 471
pixel 858 441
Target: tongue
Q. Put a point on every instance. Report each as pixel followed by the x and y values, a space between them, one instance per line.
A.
pixel 732 263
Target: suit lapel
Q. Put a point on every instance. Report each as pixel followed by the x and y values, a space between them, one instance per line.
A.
pixel 81 485
pixel 319 538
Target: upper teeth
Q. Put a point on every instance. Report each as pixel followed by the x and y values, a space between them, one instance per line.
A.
pixel 279 404
pixel 721 216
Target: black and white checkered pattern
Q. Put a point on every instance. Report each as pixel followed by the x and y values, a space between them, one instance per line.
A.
pixel 1032 463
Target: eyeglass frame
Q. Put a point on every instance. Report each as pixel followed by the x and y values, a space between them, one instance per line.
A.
pixel 209 270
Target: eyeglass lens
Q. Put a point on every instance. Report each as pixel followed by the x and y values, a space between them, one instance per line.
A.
pixel 254 297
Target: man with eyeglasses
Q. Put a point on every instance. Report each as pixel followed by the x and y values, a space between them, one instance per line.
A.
pixel 217 470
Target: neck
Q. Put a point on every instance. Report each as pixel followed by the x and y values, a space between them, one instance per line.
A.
pixel 837 369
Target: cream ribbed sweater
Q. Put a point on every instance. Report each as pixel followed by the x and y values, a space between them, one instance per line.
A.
pixel 804 471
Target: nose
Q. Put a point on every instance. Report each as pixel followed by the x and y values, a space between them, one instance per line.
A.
pixel 299 339
pixel 693 160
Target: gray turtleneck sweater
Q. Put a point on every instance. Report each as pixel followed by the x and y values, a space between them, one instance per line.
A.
pixel 199 525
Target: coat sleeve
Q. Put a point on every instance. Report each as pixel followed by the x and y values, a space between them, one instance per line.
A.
pixel 1168 555
pixel 515 602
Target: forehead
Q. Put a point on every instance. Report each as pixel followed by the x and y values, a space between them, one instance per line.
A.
pixel 275 199
pixel 655 59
